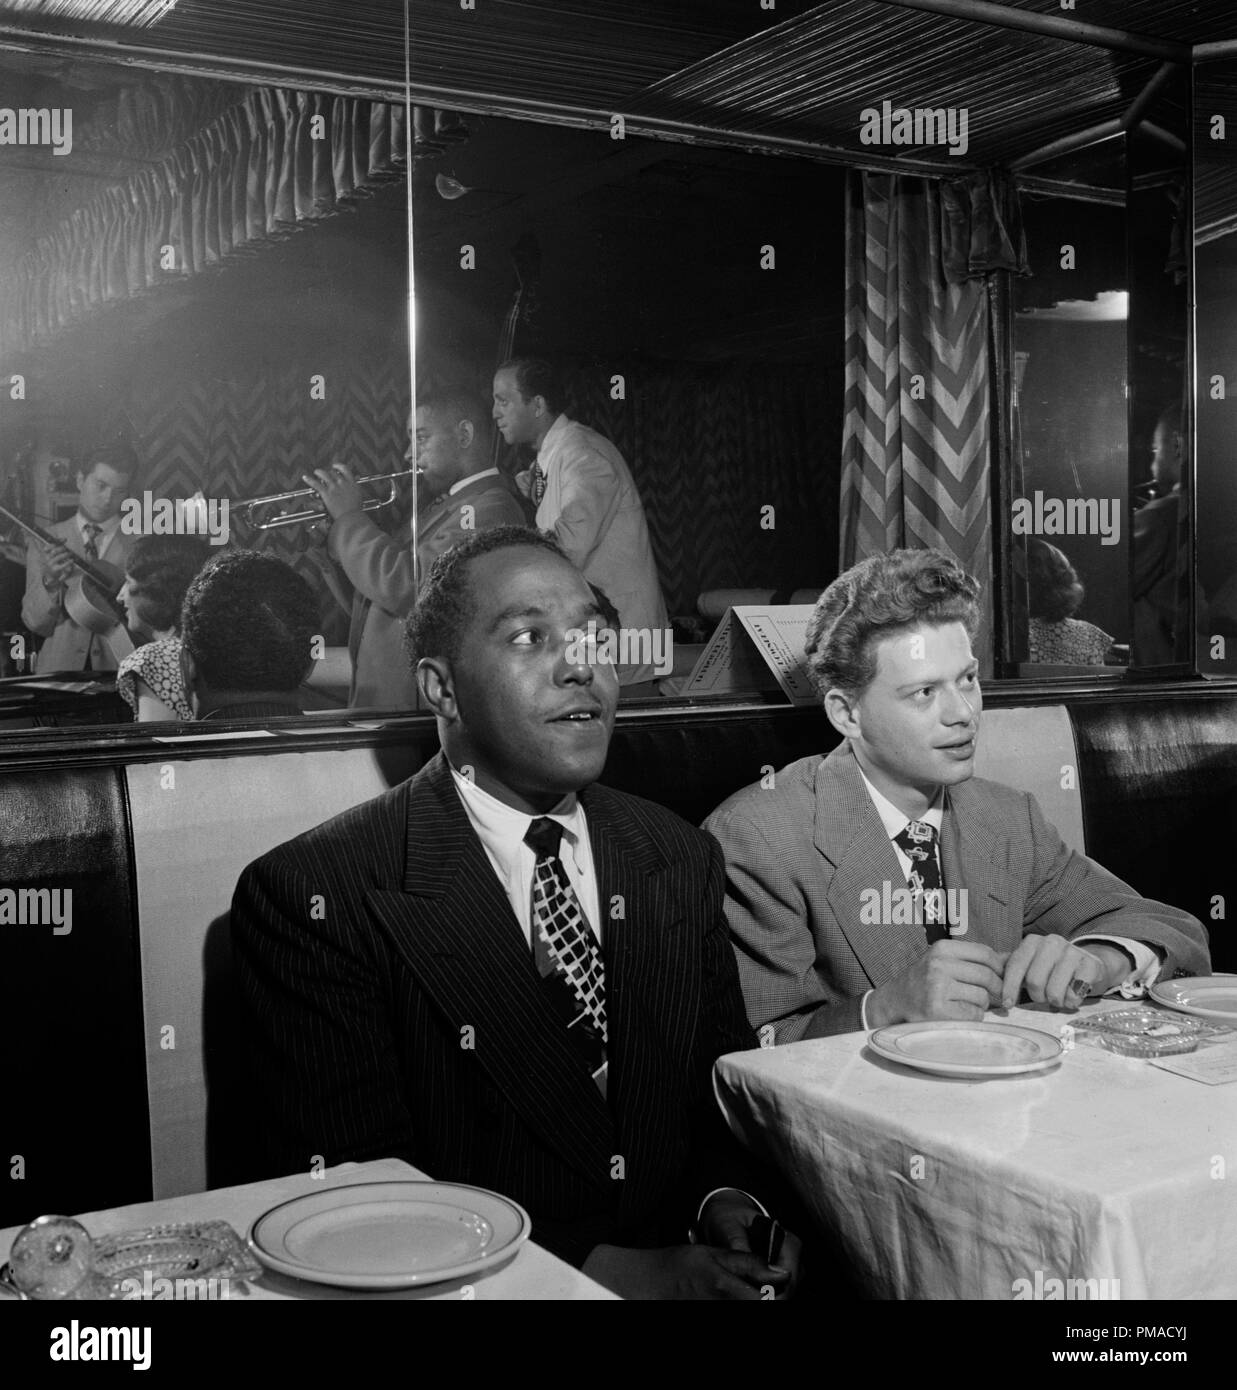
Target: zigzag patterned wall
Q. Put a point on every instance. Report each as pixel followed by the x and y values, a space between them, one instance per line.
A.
pixel 708 447
pixel 915 454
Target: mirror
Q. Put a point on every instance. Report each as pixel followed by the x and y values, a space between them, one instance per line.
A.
pixel 1215 270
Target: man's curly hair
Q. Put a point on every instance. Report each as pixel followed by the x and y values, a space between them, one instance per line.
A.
pixel 876 598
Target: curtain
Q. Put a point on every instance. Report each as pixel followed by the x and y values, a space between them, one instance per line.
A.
pixel 258 170
pixel 916 441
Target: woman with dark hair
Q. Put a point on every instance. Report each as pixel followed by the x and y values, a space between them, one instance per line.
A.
pixel 158 570
pixel 1055 594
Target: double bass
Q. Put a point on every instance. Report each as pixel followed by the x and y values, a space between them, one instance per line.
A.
pixel 90 596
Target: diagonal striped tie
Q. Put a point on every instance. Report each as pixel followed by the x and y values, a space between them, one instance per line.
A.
pixel 917 841
pixel 565 951
pixel 536 483
pixel 91 546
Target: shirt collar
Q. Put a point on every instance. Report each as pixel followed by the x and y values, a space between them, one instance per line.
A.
pixel 107 529
pixel 895 821
pixel 472 478
pixel 552 434
pixel 502 828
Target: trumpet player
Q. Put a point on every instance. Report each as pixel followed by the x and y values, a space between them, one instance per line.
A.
pixel 451 446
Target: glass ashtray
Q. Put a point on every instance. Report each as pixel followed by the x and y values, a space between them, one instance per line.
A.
pixel 196 1260
pixel 1145 1032
pixel 56 1258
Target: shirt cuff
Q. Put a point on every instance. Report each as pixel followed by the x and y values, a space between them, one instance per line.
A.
pixel 1147 964
pixel 863 1011
pixel 764 1211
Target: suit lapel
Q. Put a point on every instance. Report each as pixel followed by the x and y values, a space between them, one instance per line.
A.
pixel 970 858
pixel 851 835
pixel 652 990
pixel 454 928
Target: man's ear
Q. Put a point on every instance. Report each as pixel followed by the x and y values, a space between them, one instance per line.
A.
pixel 437 686
pixel 81 480
pixel 542 407
pixel 842 712
pixel 465 433
pixel 189 674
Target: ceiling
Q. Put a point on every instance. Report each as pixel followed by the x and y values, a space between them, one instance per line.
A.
pixel 796 73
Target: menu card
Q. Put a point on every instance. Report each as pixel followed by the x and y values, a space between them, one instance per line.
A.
pixel 1215 1065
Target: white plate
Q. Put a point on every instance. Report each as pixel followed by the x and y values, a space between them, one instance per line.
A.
pixel 1205 996
pixel 967 1049
pixel 389 1235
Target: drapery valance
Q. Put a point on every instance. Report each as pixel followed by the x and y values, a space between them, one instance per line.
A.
pixel 255 172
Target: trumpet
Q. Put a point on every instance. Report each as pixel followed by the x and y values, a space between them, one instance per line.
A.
pixel 316 514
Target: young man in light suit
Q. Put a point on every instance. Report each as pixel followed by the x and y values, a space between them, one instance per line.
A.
pixel 94 533
pixel 451 445
pixel 417 1014
pixel 897 806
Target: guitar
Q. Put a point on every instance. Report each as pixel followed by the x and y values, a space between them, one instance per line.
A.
pixel 90 596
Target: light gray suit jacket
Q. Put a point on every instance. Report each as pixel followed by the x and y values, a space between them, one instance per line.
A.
pixel 43 611
pixel 800 855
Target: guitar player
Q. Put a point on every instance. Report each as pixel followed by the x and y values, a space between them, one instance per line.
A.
pixel 94 533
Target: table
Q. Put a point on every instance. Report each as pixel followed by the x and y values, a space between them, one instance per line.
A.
pixel 1104 1168
pixel 531 1273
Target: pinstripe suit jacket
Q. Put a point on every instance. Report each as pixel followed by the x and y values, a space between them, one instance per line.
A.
pixel 404 1017
pixel 799 857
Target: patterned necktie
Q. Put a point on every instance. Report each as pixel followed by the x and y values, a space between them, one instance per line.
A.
pixel 918 842
pixel 93 532
pixel 566 953
pixel 536 483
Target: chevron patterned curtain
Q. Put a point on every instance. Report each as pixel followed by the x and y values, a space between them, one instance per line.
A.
pixel 915 441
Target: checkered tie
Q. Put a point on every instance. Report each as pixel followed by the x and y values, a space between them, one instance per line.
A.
pixel 91 547
pixel 536 483
pixel 565 950
pixel 918 842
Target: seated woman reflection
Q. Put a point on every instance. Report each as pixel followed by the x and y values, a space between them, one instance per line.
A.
pixel 158 571
pixel 1055 594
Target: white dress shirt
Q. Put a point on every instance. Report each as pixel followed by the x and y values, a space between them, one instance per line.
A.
pixel 472 478
pixel 501 829
pixel 107 529
pixel 1147 961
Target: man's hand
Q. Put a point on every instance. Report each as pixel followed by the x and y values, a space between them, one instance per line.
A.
pixel 339 490
pixel 58 566
pixel 726 1222
pixel 681 1271
pixel 1046 966
pixel 956 980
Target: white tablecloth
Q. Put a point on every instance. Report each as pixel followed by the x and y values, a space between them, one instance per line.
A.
pixel 532 1273
pixel 1106 1167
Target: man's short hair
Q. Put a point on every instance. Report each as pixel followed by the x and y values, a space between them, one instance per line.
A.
pixel 120 457
pixel 446 603
pixel 453 405
pixel 535 376
pixel 1170 420
pixel 1054 590
pixel 877 598
pixel 163 567
pixel 248 622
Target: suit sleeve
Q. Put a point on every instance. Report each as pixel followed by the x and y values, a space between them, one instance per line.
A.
pixel 718 1160
pixel 1071 895
pixel 774 938
pixel 324 1072
pixel 41 610
pixel 379 567
pixel 588 497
